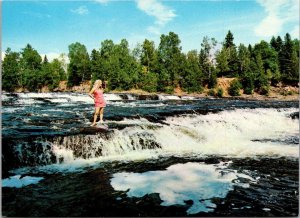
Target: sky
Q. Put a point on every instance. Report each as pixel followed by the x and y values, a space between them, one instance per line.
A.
pixel 51 26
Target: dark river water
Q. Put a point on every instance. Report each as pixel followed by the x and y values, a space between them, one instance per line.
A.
pixel 157 156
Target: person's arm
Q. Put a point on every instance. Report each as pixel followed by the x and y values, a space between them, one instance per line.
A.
pixel 91 93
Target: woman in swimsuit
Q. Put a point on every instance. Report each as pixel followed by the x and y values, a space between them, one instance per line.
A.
pixel 97 94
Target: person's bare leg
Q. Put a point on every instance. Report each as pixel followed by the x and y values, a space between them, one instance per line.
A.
pixel 97 109
pixel 101 115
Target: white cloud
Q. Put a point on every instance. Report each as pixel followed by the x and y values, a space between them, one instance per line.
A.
pixel 154 8
pixel 279 13
pixel 160 12
pixel 82 10
pixel 270 26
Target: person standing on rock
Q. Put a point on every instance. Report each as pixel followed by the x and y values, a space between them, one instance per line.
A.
pixel 97 94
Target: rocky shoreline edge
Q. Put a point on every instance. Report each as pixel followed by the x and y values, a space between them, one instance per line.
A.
pixel 280 92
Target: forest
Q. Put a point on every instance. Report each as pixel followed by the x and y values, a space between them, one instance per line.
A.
pixel 159 68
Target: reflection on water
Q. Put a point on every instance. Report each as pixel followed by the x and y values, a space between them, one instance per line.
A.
pixel 18 182
pixel 198 182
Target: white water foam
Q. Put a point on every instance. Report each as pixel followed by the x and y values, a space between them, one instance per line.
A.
pixel 112 97
pixel 188 98
pixel 28 98
pixel 36 95
pixel 135 104
pixel 198 182
pixel 229 133
pixel 238 133
pixel 4 97
pixel 168 97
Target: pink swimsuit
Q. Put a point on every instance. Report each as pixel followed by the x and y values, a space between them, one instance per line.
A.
pixel 99 98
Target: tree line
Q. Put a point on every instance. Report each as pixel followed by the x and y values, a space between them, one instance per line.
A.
pixel 162 68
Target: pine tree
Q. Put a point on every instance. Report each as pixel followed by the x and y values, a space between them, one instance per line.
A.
pixel 229 40
pixel 287 60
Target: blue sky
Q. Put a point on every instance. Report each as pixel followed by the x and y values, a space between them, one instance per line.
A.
pixel 50 26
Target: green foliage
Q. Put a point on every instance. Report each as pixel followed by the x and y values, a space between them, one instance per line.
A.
pixel 192 76
pixel 150 82
pixel 220 92
pixel 289 60
pixel 148 55
pixel 222 59
pixel 30 58
pixel 212 82
pixel 171 61
pixel 11 78
pixel 234 88
pixel 227 58
pixel 248 83
pixel 229 40
pixel 212 92
pixel 79 67
pixel 159 69
pixel 243 59
pixel 264 90
pixel 29 72
pixel 205 58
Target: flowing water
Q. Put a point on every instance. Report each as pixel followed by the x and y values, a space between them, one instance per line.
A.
pixel 160 156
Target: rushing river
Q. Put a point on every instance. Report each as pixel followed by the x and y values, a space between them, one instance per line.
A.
pixel 160 156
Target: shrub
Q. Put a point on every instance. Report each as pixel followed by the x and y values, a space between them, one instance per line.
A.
pixel 264 90
pixel 212 92
pixel 234 89
pixel 248 84
pixel 220 92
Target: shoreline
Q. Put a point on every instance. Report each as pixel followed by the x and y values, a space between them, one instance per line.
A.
pixel 281 92
pixel 255 96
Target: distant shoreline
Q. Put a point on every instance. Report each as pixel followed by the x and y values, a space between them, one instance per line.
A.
pixel 255 96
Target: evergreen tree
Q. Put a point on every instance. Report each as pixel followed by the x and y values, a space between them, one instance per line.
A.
pixel 227 58
pixel 45 61
pixel 288 60
pixel 270 60
pixel 229 40
pixel 232 54
pixel 276 44
pixel 234 88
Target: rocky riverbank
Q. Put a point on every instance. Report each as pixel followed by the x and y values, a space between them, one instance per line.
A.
pixel 280 92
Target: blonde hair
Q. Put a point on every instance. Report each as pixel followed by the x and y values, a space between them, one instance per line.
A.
pixel 97 83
